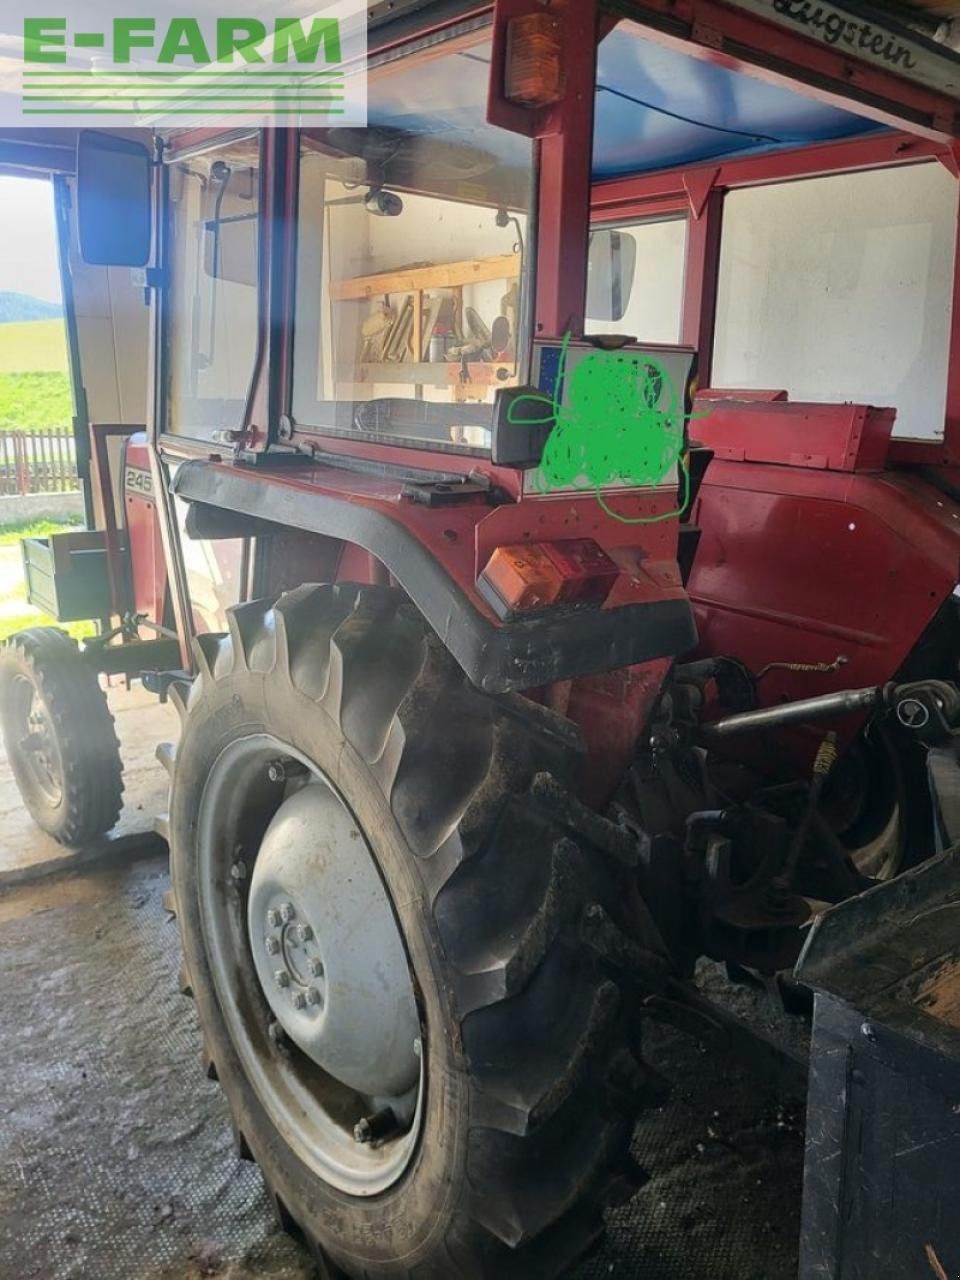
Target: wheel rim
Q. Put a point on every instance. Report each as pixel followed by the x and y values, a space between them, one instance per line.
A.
pixel 864 807
pixel 309 965
pixel 36 747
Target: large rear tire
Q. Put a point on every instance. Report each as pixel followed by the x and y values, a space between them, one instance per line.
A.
pixel 59 736
pixel 509 902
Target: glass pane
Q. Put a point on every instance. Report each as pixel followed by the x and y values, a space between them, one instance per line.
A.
pixel 212 320
pixel 413 243
pixel 214 573
pixel 641 278
pixel 840 288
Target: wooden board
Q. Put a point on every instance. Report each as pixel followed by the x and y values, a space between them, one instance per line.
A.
pixel 445 275
pixel 431 373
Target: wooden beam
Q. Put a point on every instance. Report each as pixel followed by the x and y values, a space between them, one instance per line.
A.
pixel 445 275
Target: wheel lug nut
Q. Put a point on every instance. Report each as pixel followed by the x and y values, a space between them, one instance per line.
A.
pixel 239 870
pixel 372 1128
pixel 314 996
pixel 282 770
pixel 316 966
pixel 299 1000
pixel 273 918
pixel 304 932
pixel 282 978
pixel 287 912
pixel 272 946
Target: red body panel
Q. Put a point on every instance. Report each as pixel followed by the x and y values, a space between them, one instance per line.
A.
pixel 148 567
pixel 611 710
pixel 460 537
pixel 803 565
pixel 835 437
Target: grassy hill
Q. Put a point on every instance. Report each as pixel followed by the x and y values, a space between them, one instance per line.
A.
pixel 34 385
pixel 20 306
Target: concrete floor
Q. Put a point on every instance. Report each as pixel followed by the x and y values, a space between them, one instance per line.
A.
pixel 116 1156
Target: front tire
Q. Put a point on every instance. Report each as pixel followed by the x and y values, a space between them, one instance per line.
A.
pixel 497 888
pixel 59 736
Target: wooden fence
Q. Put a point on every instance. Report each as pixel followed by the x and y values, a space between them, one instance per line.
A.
pixel 38 462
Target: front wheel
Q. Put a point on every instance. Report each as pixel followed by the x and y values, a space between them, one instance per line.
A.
pixel 382 908
pixel 59 736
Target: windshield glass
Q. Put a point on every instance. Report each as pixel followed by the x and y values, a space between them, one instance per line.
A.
pixel 413 248
pixel 211 329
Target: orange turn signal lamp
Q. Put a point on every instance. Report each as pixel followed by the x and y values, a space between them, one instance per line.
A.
pixel 541 575
pixel 533 71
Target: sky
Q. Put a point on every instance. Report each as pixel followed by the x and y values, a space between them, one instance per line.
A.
pixel 28 243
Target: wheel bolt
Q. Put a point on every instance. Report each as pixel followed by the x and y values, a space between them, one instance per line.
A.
pixel 304 932
pixel 287 912
pixel 273 918
pixel 372 1128
pixel 314 996
pixel 299 1000
pixel 282 978
pixel 282 770
pixel 272 946
pixel 316 966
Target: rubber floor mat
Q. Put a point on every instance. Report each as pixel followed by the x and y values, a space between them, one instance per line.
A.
pixel 117 1159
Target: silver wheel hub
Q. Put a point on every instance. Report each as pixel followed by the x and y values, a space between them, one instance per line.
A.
pixel 309 965
pixel 327 947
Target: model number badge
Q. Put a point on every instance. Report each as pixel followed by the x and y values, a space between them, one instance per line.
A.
pixel 137 480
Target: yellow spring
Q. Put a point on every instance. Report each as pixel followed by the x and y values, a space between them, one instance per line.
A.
pixel 826 755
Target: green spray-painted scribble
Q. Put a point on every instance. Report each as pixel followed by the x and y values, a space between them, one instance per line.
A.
pixel 623 423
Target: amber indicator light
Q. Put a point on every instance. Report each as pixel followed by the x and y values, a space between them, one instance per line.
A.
pixel 534 61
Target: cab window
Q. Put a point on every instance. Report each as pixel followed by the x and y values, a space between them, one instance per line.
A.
pixel 635 279
pixel 211 325
pixel 413 258
pixel 840 288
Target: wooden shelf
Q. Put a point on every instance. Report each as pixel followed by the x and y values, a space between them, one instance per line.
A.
pixel 446 275
pixel 430 374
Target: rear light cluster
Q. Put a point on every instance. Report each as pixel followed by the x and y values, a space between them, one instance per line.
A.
pixel 541 575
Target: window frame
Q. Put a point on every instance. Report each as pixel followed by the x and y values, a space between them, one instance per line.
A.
pixel 196 143
pixel 340 440
pixel 700 190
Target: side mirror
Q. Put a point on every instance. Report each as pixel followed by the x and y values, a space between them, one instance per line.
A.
pixel 611 265
pixel 113 200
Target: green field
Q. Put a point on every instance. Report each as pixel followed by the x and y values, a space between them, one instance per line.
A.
pixel 34 384
pixel 29 401
pixel 11 535
pixel 33 346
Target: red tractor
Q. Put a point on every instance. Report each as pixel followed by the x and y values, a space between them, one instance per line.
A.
pixel 496 718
